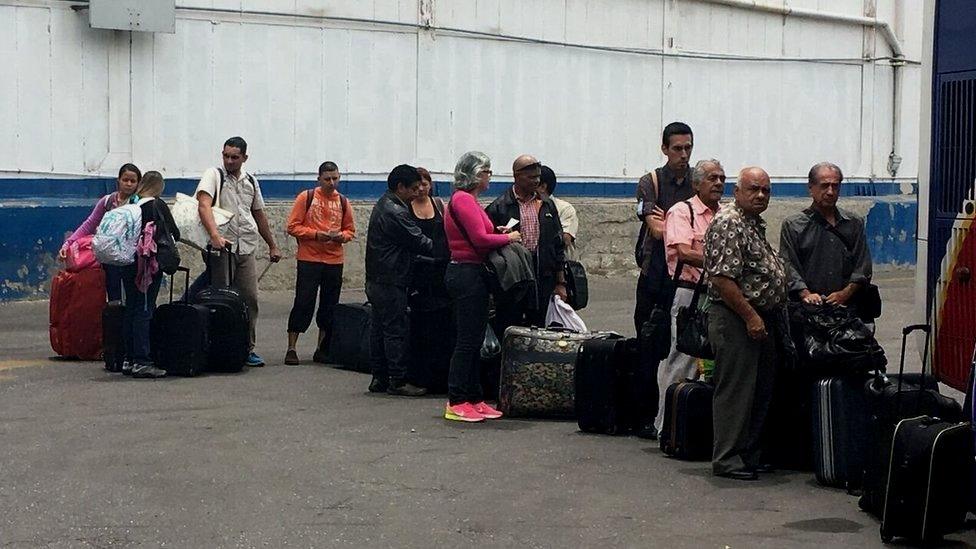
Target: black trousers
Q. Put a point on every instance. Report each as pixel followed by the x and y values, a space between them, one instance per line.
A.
pixel 432 340
pixel 388 332
pixel 313 278
pixel 466 285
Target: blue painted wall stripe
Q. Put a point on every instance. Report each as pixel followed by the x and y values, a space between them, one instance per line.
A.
pixel 287 189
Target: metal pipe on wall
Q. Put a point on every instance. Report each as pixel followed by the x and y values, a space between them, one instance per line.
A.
pixel 897 62
pixel 882 26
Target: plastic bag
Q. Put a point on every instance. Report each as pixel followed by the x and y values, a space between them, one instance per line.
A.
pixel 490 347
pixel 187 219
pixel 561 315
pixel 832 339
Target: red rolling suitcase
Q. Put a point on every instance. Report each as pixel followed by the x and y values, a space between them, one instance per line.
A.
pixel 75 310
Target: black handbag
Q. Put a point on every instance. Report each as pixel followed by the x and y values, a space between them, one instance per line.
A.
pixel 577 287
pixel 655 333
pixel 167 254
pixel 692 325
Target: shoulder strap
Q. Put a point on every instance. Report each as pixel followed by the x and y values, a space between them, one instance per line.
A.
pixel 849 245
pixel 655 186
pixel 309 194
pixel 691 211
pixel 438 204
pixel 220 187
pixel 460 227
pixel 344 203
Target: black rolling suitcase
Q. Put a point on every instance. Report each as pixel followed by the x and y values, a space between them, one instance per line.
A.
pixel 840 424
pixel 890 400
pixel 180 334
pixel 349 345
pixel 113 349
pixel 604 382
pixel 687 429
pixel 927 493
pixel 230 339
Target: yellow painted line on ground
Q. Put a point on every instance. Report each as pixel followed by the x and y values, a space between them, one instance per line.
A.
pixel 12 364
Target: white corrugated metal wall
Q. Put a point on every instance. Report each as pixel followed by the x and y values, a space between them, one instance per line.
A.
pixel 305 87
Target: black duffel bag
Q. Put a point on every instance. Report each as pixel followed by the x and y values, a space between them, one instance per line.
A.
pixel 833 340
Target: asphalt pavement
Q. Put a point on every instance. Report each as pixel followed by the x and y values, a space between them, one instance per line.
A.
pixel 302 456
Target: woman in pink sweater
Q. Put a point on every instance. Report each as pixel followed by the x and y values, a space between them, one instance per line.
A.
pixel 470 236
pixel 129 177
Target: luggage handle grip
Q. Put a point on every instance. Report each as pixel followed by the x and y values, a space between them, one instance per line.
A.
pixel 914 328
pixel 186 287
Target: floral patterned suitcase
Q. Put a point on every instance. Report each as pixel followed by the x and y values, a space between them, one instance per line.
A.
pixel 538 370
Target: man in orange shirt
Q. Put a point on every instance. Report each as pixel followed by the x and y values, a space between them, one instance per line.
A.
pixel 321 220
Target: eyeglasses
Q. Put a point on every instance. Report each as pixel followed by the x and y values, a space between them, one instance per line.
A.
pixel 485 172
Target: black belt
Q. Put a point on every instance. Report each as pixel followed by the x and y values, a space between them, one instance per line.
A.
pixel 686 285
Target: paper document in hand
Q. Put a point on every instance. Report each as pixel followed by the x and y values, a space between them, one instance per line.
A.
pixel 511 223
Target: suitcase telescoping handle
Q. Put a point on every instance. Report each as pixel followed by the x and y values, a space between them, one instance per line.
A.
pixel 901 366
pixel 230 264
pixel 186 287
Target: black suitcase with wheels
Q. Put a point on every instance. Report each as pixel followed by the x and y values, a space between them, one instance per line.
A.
pixel 927 493
pixel 180 335
pixel 604 382
pixel 840 423
pixel 892 399
pixel 687 430
pixel 349 345
pixel 113 349
pixel 230 338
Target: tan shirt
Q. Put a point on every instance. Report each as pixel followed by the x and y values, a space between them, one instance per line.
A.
pixel 240 196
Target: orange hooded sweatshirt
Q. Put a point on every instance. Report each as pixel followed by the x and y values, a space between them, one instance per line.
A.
pixel 325 214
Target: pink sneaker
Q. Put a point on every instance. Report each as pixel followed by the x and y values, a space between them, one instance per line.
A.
pixel 487 411
pixel 462 412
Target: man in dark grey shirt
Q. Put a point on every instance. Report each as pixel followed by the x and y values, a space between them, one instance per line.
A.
pixel 825 246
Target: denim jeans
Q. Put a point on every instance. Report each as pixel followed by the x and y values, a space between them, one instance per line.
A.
pixel 113 282
pixel 139 308
pixel 466 285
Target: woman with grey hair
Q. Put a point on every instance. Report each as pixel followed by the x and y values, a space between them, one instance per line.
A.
pixel 470 236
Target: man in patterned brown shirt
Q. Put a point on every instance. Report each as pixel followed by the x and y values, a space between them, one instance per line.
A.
pixel 747 281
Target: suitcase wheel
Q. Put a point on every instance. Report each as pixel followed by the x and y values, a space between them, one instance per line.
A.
pixel 885 536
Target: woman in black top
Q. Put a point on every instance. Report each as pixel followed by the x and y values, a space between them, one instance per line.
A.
pixel 431 314
pixel 141 281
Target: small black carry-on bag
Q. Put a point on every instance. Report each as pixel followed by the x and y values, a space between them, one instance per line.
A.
pixel 229 322
pixel 687 430
pixel 929 478
pixel 348 347
pixel 180 334
pixel 840 424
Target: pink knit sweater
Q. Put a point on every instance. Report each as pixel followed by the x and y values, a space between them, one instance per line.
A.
pixel 478 226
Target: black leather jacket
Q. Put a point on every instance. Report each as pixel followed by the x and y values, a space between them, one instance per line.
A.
pixel 392 239
pixel 551 253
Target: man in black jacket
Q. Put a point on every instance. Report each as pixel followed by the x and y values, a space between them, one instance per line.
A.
pixel 542 235
pixel 392 240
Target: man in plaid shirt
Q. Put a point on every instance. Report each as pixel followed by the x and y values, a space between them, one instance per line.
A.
pixel 542 234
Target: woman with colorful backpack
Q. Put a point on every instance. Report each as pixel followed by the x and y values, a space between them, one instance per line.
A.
pixel 128 180
pixel 141 278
